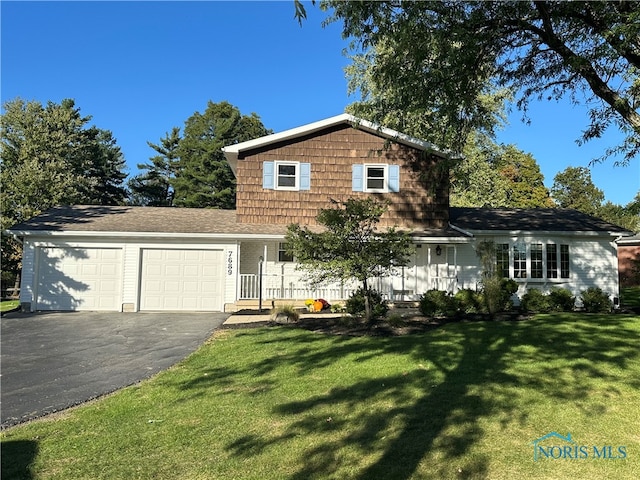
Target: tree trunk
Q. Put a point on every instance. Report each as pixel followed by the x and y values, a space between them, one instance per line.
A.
pixel 367 302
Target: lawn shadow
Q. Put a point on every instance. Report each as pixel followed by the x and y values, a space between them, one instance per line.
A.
pixel 463 373
pixel 16 458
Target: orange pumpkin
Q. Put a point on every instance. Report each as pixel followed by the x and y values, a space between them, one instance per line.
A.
pixel 317 306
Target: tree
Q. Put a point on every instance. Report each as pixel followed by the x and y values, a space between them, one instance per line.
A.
pixel 445 55
pixel 203 176
pixel 493 175
pixel 51 157
pixel 154 187
pixel 573 188
pixel 627 216
pixel 523 180
pixel 350 246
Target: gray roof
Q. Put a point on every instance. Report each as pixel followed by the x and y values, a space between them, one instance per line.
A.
pixel 92 218
pixel 168 220
pixel 529 219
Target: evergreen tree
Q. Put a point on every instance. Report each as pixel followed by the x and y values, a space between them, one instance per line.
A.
pixel 49 156
pixel 154 187
pixel 203 176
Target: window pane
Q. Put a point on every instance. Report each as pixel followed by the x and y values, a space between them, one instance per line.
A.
pixel 375 184
pixel 287 175
pixel 519 261
pixel 552 260
pixel 287 170
pixel 283 256
pixel 377 172
pixel 502 260
pixel 564 261
pixel 286 181
pixel 375 178
pixel 536 260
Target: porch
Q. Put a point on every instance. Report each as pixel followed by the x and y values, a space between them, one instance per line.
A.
pixel 267 273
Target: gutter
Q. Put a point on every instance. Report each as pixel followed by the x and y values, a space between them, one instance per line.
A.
pixel 464 232
pixel 14 235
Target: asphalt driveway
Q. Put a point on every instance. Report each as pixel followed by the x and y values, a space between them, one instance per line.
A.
pixel 52 361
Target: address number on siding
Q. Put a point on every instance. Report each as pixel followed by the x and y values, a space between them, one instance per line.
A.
pixel 230 262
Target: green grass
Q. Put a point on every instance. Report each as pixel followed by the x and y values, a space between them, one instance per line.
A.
pixel 462 401
pixel 7 305
pixel 630 296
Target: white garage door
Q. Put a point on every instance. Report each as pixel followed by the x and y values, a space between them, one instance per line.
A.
pixel 175 279
pixel 79 279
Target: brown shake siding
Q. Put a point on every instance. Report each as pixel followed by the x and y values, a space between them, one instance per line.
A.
pixel 422 200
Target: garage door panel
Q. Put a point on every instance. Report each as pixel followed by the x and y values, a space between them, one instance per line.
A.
pixel 79 278
pixel 188 280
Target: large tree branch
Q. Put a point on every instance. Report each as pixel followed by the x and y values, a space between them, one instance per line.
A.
pixel 603 28
pixel 584 68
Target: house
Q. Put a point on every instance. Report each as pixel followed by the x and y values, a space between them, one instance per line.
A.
pixel 145 258
pixel 629 260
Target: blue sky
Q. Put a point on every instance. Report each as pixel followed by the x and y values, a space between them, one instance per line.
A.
pixel 141 68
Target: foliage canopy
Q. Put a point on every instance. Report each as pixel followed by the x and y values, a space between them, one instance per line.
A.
pixel 350 246
pixel 445 56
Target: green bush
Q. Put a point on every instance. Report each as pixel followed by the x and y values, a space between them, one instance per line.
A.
pixel 595 300
pixel 561 300
pixel 470 301
pixel 437 302
pixel 535 301
pixel 497 293
pixel 355 303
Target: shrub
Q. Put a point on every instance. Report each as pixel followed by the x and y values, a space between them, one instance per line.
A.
pixel 497 293
pixel 595 300
pixel 355 303
pixel 470 301
pixel 286 312
pixel 561 300
pixel 437 302
pixel 535 301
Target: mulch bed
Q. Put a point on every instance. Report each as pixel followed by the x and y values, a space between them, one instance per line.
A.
pixel 404 321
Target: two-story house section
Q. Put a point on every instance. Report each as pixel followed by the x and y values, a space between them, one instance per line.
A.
pixel 289 176
pixel 150 258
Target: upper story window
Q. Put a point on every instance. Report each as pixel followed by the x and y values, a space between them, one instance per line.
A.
pixel 284 175
pixel 532 260
pixel 376 178
pixel 287 175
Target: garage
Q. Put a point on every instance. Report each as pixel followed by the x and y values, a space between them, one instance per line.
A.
pixel 71 278
pixel 181 279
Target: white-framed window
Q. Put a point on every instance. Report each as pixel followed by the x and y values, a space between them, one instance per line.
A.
pixel 286 175
pixel 376 178
pixel 283 256
pixel 535 260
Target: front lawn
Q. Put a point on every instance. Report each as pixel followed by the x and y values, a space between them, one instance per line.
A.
pixel 466 400
pixel 7 305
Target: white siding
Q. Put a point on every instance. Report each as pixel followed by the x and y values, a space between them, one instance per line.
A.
pixel 27 279
pixel 130 278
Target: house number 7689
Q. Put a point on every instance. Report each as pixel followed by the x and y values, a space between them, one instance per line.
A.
pixel 229 262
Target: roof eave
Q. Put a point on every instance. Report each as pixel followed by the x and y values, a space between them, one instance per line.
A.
pixel 145 235
pixel 232 152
